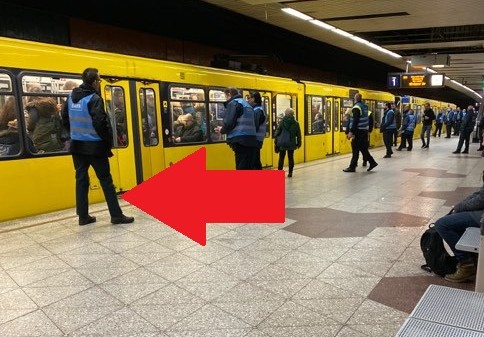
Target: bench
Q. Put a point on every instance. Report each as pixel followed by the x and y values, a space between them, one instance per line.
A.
pixel 470 240
pixel 446 312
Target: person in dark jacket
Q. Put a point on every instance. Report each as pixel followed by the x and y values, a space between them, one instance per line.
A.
pixel 239 126
pixel 290 124
pixel 188 131
pixel 357 131
pixel 255 100
pixel 467 213
pixel 91 142
pixel 427 120
pixel 10 140
pixel 466 127
pixel 44 124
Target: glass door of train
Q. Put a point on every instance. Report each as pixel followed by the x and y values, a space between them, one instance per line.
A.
pixel 266 153
pixel 117 100
pixel 335 124
pixel 150 153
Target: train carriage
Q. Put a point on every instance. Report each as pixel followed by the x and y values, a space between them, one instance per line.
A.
pixel 146 101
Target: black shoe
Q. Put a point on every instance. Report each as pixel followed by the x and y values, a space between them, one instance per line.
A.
pixel 387 156
pixel 121 219
pixel 364 164
pixel 289 175
pixel 398 149
pixel 456 151
pixel 409 149
pixel 480 149
pixel 426 147
pixel 423 146
pixel 372 166
pixel 465 151
pixel 349 169
pixel 86 220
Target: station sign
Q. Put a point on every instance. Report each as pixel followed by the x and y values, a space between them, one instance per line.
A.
pixel 415 80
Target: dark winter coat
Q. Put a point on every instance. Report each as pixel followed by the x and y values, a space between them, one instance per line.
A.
pixel 289 123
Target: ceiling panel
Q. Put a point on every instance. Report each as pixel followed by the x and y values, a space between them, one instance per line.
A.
pixel 407 28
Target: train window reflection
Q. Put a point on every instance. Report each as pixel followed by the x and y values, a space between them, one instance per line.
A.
pixel 116 108
pixel 5 82
pixel 10 144
pixel 188 115
pixel 217 113
pixel 149 117
pixel 43 99
pixel 317 124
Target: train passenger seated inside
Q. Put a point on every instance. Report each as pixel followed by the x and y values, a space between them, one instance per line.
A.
pixel 188 131
pixel 318 124
pixel 44 124
pixel 10 140
pixel 467 213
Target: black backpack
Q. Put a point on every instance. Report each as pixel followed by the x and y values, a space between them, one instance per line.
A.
pixel 437 260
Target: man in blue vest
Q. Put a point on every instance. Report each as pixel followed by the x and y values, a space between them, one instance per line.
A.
pixel 239 125
pixel 91 142
pixel 357 131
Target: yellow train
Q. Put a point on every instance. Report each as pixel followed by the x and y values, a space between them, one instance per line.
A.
pixel 144 98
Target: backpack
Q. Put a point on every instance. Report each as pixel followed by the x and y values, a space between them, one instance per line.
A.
pixel 437 260
pixel 284 139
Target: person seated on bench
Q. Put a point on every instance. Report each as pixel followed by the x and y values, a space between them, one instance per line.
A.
pixel 467 213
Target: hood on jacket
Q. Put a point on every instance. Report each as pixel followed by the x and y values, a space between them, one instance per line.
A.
pixel 46 106
pixel 82 91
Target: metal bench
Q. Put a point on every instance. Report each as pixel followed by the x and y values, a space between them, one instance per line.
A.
pixel 470 240
pixel 446 312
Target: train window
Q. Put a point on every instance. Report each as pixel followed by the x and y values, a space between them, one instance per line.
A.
pixel 116 108
pixel 266 106
pixel 43 98
pixel 282 102
pixel 316 120
pixel 217 113
pixel 148 116
pixel 10 144
pixel 379 109
pixel 188 114
pixel 327 115
pixel 5 83
pixel 335 114
pixel 344 120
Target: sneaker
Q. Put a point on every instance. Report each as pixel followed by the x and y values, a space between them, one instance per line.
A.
pixel 465 272
pixel 121 219
pixel 349 169
pixel 372 166
pixel 86 220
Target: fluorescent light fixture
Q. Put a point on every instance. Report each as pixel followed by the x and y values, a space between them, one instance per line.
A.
pixel 338 31
pixel 297 14
pixel 322 24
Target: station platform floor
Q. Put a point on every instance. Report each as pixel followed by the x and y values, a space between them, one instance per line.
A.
pixel 346 262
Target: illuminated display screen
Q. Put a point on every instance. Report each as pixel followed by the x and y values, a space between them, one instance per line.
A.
pixel 393 81
pixel 422 80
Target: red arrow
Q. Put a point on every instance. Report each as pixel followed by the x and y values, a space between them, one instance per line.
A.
pixel 180 196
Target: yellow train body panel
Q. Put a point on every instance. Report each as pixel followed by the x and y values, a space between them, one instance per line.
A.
pixel 152 92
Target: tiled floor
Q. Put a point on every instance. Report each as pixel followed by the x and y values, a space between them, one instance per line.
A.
pixel 345 263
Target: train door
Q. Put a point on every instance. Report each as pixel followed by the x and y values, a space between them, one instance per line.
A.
pixel 266 153
pixel 267 150
pixel 335 125
pixel 117 99
pixel 328 118
pixel 150 152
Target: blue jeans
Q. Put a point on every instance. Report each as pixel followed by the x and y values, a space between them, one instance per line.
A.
pixel 452 226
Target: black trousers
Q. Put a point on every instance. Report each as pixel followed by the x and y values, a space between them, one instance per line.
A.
pixel 245 157
pixel 360 144
pixel 290 158
pixel 103 173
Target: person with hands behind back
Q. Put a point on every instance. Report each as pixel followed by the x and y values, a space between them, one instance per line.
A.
pixel 91 136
